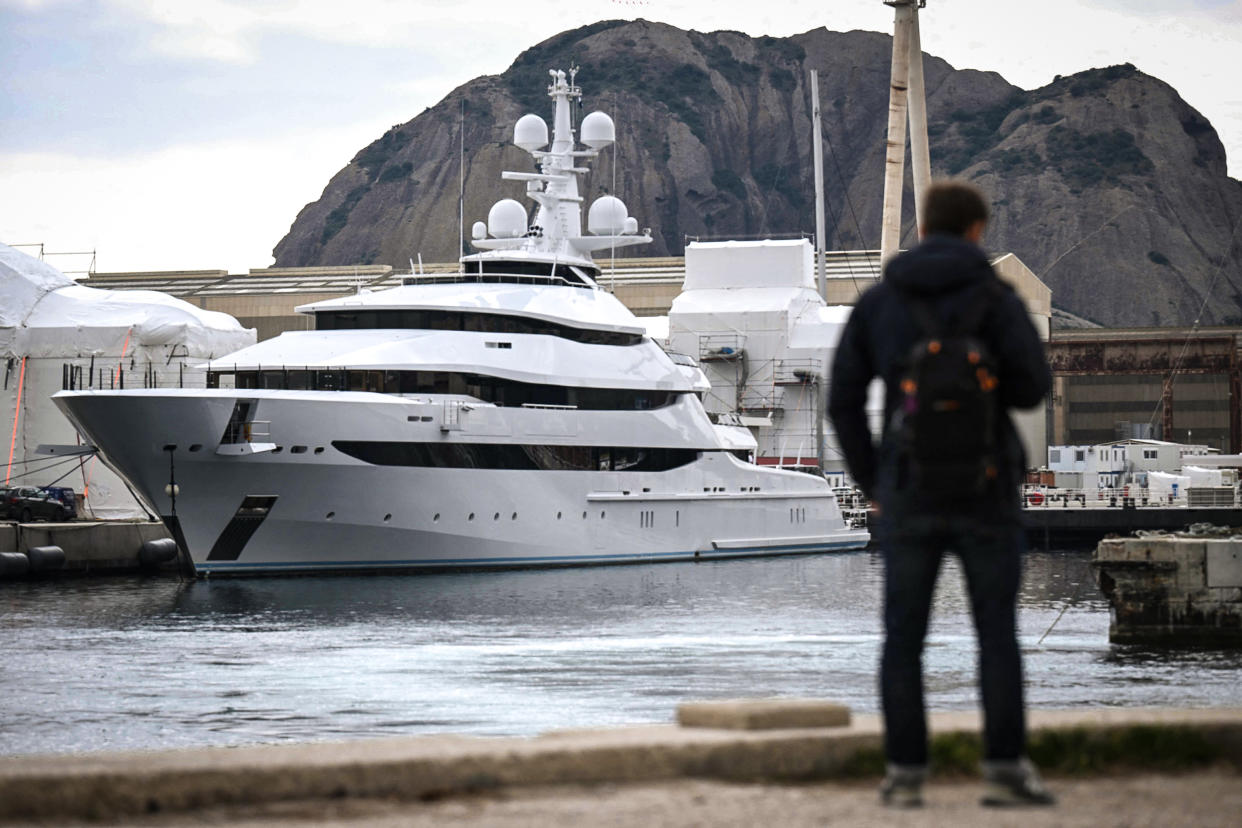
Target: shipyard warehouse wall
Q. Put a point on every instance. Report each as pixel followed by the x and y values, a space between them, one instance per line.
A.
pixel 1180 385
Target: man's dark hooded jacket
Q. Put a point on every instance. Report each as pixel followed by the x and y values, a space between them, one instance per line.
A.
pixel 949 273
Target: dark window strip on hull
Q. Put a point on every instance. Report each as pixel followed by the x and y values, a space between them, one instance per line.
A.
pixel 516 457
pixel 442 320
pixel 488 389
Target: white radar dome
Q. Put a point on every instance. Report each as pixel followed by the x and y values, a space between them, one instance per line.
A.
pixel 598 130
pixel 607 216
pixel 478 230
pixel 506 219
pixel 530 132
pixel 631 226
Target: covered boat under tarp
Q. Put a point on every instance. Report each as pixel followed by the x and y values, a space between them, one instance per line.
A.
pixel 57 334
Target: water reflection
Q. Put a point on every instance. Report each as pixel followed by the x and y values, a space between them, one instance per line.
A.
pixel 138 663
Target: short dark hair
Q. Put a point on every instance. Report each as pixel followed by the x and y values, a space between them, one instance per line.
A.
pixel 952 207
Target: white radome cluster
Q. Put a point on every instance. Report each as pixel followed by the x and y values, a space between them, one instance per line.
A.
pixel 607 216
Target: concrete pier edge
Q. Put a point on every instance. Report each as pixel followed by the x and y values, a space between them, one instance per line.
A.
pixel 113 785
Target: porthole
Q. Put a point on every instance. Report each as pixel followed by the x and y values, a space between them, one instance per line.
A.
pixel 601 515
pixel 514 517
pixel 196 447
pixel 471 517
pixel 170 447
pixel 387 518
pixel 330 515
pixel 558 515
pixel 318 449
pixel 584 515
pixel 496 516
pixel 278 450
pixel 436 518
pixel 298 450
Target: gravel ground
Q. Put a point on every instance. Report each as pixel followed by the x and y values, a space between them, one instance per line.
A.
pixel 1204 798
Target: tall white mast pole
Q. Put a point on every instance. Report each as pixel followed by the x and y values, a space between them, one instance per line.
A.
pixel 818 155
pixel 895 153
pixel 920 156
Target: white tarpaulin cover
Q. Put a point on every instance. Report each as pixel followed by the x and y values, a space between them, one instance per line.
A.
pixel 45 313
pixel 1160 484
pixel 1200 476
pixel 53 330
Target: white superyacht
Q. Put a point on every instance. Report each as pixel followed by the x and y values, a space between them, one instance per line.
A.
pixel 514 414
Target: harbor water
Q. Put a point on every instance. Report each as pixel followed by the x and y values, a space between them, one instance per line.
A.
pixel 141 663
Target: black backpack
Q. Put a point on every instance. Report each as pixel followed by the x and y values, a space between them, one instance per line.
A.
pixel 947 419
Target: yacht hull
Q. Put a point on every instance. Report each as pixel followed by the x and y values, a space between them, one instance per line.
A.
pixel 248 509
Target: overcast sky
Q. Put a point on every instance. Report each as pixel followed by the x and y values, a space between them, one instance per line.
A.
pixel 187 134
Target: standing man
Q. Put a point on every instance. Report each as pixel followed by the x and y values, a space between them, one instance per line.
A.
pixel 946 475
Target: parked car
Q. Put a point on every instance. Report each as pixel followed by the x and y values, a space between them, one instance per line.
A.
pixel 29 503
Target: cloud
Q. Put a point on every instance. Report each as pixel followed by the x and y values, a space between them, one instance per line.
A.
pixel 222 205
pixel 189 134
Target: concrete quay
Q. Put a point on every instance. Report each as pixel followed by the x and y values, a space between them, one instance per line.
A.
pixel 1172 589
pixel 650 775
pixel 90 547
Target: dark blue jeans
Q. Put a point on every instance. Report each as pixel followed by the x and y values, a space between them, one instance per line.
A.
pixel 991 558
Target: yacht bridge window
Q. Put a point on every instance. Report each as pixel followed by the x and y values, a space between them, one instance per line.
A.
pixel 488 389
pixel 452 320
pixel 515 456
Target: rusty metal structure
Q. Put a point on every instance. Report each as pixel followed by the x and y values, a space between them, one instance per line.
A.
pixel 1182 378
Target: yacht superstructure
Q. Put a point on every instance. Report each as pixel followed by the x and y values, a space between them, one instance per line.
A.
pixel 514 414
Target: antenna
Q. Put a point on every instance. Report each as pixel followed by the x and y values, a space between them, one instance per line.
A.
pixel 461 187
pixel 612 260
pixel 818 155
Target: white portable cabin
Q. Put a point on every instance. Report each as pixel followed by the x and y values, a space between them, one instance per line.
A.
pixel 57 334
pixel 750 313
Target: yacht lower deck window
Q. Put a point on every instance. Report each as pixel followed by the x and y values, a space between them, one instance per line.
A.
pixel 488 389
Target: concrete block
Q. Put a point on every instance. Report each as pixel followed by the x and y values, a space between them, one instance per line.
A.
pixel 1110 549
pixel 8 537
pixel 763 714
pixel 1151 549
pixel 1224 563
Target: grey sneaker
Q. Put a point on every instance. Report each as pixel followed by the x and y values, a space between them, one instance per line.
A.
pixel 903 786
pixel 1012 784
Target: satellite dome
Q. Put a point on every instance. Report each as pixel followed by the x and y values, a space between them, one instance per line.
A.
pixel 631 226
pixel 531 132
pixel 507 219
pixel 478 230
pixel 598 130
pixel 607 216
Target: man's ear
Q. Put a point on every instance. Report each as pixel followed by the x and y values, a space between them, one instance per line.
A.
pixel 974 233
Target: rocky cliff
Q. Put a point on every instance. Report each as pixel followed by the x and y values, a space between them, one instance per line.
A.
pixel 1106 183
